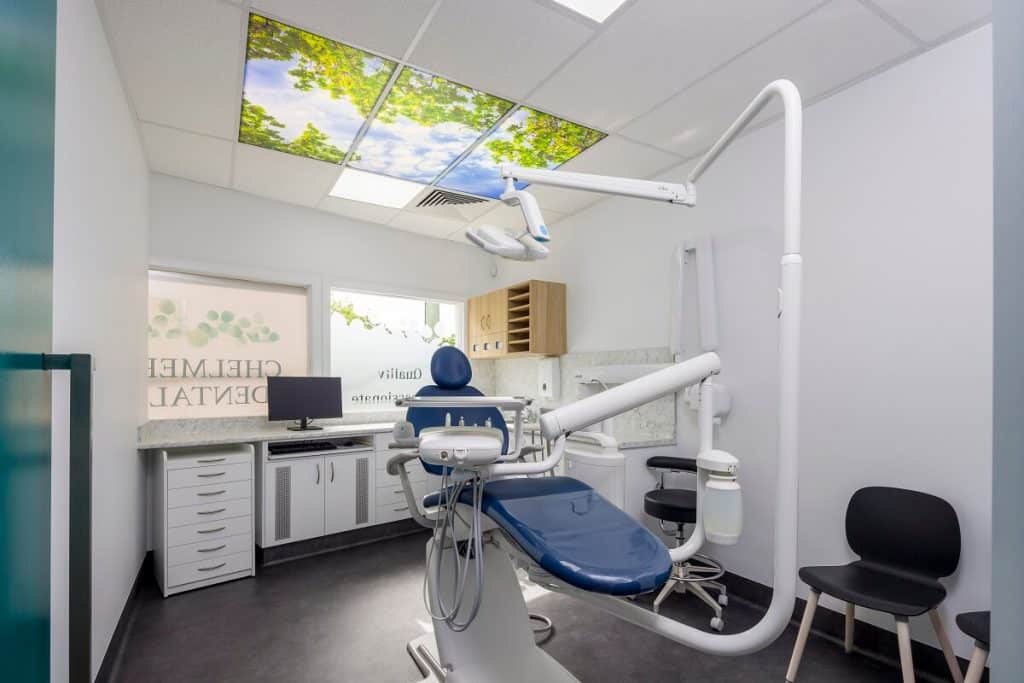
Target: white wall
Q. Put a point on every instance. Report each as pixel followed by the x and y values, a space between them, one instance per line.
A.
pixel 195 224
pixel 99 303
pixel 897 338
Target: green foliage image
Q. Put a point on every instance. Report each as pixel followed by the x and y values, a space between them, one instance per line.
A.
pixel 291 73
pixel 169 323
pixel 431 316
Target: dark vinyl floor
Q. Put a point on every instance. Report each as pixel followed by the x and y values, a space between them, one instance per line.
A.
pixel 347 615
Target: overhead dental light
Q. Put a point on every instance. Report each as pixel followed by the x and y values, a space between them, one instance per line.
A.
pixel 527 246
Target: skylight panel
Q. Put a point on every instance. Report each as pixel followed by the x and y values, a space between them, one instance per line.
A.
pixel 598 10
pixel 527 138
pixel 424 124
pixel 305 94
pixel 361 186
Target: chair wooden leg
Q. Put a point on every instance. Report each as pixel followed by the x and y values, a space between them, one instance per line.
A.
pixel 848 631
pixel 947 647
pixel 801 636
pixel 906 657
pixel 977 666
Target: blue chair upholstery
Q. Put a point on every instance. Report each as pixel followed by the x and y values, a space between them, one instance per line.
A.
pixel 452 373
pixel 574 534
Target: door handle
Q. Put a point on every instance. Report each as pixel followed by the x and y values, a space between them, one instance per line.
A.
pixel 332 471
pixel 80 572
pixel 318 474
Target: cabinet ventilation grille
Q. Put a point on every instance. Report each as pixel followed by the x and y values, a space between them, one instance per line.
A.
pixel 282 503
pixel 362 490
pixel 444 198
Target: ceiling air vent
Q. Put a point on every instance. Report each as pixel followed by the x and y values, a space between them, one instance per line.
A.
pixel 446 198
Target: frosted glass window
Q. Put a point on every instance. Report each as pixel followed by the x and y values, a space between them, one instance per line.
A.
pixel 381 346
pixel 213 342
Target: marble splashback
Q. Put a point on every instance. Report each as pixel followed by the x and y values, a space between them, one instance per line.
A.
pixel 654 422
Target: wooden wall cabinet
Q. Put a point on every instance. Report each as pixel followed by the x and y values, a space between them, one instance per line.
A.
pixel 526 319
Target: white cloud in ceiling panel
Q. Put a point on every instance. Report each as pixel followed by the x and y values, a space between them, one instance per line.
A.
pixel 613 156
pixel 506 48
pixel 386 26
pixel 431 226
pixel 655 48
pixel 836 44
pixel 358 210
pixel 181 61
pixel 285 177
pixel 931 20
pixel 188 155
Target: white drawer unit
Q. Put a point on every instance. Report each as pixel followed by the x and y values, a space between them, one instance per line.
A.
pixel 203 519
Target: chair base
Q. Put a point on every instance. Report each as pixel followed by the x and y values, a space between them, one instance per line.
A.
pixel 696 576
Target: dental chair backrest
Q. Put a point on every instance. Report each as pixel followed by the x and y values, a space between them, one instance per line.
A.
pixel 452 372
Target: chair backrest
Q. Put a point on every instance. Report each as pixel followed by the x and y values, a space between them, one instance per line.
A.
pixel 452 372
pixel 906 530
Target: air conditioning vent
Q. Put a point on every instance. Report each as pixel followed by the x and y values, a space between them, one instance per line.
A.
pixel 362 491
pixel 446 198
pixel 282 503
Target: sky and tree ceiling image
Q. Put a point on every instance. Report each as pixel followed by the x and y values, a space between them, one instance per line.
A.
pixel 311 96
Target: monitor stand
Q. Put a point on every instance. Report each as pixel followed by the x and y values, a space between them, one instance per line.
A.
pixel 303 426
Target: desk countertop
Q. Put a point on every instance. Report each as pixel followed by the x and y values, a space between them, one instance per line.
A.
pixel 200 434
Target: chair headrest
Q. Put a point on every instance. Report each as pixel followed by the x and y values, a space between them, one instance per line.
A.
pixel 450 368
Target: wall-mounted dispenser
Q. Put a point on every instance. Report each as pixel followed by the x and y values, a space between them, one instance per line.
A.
pixel 549 376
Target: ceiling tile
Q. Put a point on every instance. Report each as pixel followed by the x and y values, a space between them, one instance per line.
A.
pixel 282 176
pixel 614 156
pixel 931 20
pixel 181 61
pixel 653 49
pixel 506 48
pixel 837 43
pixel 359 210
pixel 431 226
pixel 385 26
pixel 188 155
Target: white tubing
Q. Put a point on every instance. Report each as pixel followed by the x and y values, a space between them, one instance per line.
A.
pixel 706 424
pixel 513 468
pixel 623 397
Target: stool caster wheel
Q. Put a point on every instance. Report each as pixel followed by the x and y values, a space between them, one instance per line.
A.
pixel 723 599
pixel 717 624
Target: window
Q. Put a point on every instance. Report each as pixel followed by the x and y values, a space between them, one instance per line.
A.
pixel 214 341
pixel 312 96
pixel 381 345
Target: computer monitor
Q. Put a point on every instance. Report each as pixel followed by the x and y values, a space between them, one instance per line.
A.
pixel 303 399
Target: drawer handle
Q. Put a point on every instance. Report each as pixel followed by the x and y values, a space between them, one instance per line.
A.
pixel 207 461
pixel 210 512
pixel 210 569
pixel 210 531
pixel 398 491
pixel 402 509
pixel 212 474
pixel 332 471
pixel 212 550
pixel 212 493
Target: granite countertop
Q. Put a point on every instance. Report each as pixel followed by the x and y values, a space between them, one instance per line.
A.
pixel 199 433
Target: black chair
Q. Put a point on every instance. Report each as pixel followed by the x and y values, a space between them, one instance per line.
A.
pixel 906 541
pixel 977 625
pixel 679 507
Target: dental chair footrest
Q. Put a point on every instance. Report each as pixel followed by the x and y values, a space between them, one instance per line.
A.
pixel 575 534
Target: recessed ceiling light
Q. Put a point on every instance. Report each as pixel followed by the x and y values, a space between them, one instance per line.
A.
pixel 361 186
pixel 598 10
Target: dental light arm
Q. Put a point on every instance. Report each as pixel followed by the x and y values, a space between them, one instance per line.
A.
pixel 557 423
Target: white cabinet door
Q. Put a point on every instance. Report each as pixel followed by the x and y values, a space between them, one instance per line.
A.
pixel 347 497
pixel 293 499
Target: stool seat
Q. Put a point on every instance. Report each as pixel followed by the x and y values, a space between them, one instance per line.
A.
pixel 672 505
pixel 976 625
